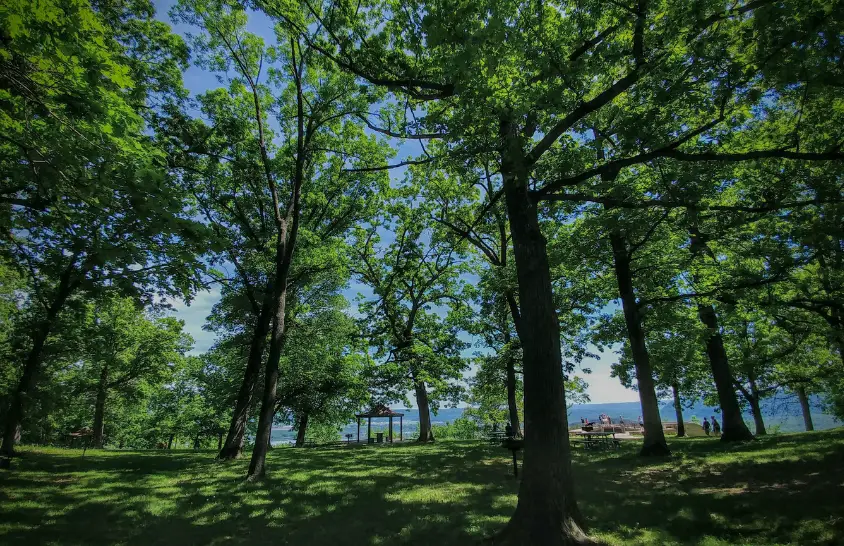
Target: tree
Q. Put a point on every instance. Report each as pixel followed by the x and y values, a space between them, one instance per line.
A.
pixel 87 195
pixel 412 278
pixel 488 235
pixel 623 249
pixel 316 143
pixel 121 348
pixel 487 84
pixel 322 371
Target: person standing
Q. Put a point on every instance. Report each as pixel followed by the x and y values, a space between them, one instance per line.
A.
pixel 716 427
pixel 706 426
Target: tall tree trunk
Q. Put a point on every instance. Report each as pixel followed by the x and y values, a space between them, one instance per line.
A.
pixel 678 409
pixel 233 446
pixel 288 229
pixel 302 429
pixel 733 428
pixel 757 417
pixel 547 511
pixel 426 433
pixel 257 464
pixel 15 412
pixel 99 408
pixel 654 442
pixel 284 256
pixel 512 402
pixel 170 441
pixel 219 442
pixel 806 409
pixel 756 409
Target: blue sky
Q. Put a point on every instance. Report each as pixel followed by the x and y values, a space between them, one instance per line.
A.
pixel 602 387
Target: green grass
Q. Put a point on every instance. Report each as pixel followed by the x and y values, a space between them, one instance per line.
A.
pixel 786 489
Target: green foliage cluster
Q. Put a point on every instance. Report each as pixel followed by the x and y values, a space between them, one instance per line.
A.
pixel 462 428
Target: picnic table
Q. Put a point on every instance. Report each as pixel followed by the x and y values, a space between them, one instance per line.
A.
pixel 497 436
pixel 595 440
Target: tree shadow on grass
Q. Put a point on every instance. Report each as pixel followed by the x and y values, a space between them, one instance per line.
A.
pixel 405 495
pixel 784 489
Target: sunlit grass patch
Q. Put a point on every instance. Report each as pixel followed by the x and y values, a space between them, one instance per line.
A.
pixel 778 490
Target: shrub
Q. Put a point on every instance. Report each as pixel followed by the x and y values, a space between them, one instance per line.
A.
pixel 460 429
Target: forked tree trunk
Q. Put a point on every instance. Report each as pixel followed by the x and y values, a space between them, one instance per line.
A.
pixel 284 256
pixel 265 419
pixel 547 511
pixel 426 433
pixel 287 231
pixel 233 446
pixel 301 430
pixel 678 409
pixel 99 408
pixel 654 441
pixel 733 428
pixel 805 408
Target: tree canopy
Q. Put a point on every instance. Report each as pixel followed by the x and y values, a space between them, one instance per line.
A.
pixel 375 186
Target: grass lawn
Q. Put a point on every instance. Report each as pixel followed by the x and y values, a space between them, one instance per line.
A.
pixel 786 489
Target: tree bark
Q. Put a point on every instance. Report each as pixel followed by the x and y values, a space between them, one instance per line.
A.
pixel 547 511
pixel 678 409
pixel 512 402
pixel 257 465
pixel 733 428
pixel 757 418
pixel 756 409
pixel 32 364
pixel 233 446
pixel 99 408
pixel 219 442
pixel 806 409
pixel 426 433
pixel 284 256
pixel 170 441
pixel 301 430
pixel 654 441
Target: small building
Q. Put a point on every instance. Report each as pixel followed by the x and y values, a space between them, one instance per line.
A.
pixel 380 411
